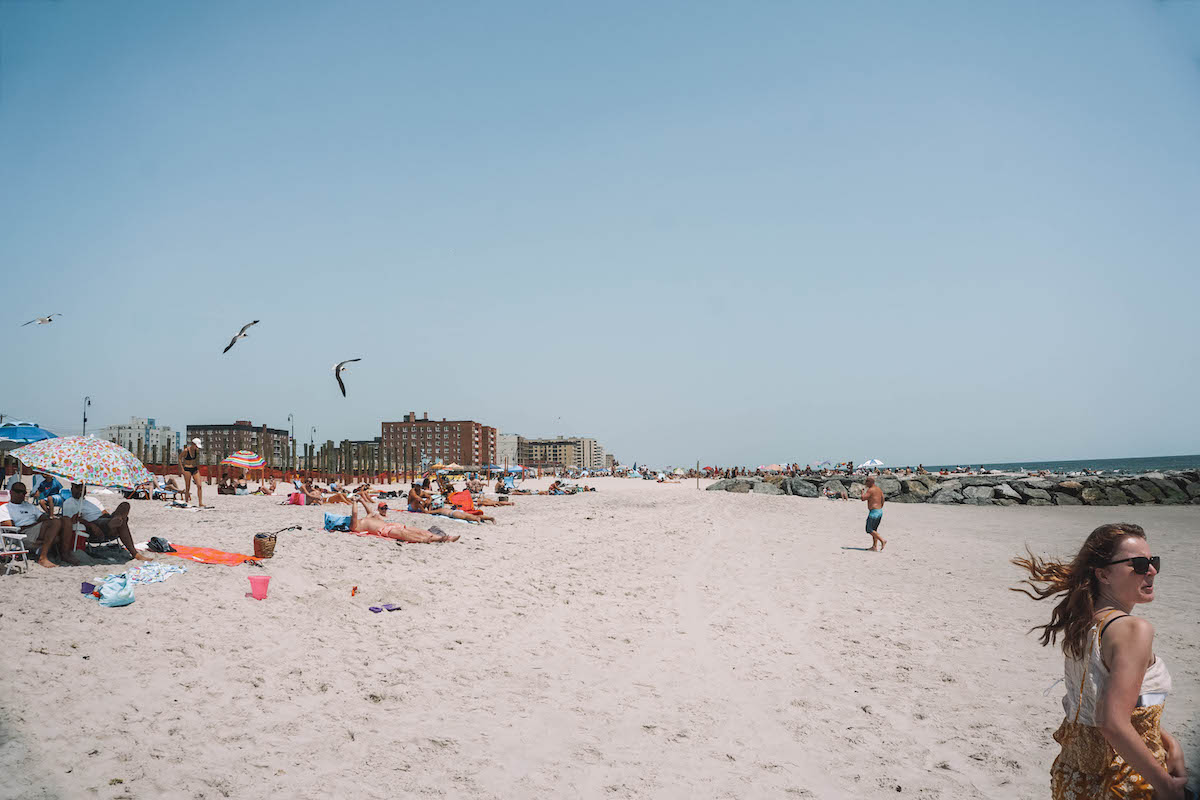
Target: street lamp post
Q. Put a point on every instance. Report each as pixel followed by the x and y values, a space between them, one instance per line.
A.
pixel 311 434
pixel 292 444
pixel 87 401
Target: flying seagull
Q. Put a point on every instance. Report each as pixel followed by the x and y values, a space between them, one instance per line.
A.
pixel 338 369
pixel 42 320
pixel 241 335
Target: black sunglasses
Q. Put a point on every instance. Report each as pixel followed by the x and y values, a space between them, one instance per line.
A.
pixel 1141 564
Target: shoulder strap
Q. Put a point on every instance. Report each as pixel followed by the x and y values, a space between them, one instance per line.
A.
pixel 1110 621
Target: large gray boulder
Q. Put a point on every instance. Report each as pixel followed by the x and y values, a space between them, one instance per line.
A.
pixel 1115 496
pixel 1153 491
pixel 1005 501
pixel 764 487
pixel 1192 490
pixel 889 486
pixel 977 493
pixel 855 490
pixel 916 488
pixel 953 483
pixel 835 486
pixel 980 480
pixel 719 486
pixel 1006 492
pixel 1031 492
pixel 1064 499
pixel 1138 494
pixel 931 482
pixel 1035 483
pixel 977 501
pixel 1092 496
pixel 1172 494
pixel 802 488
pixel 947 496
pixel 1070 487
pixel 1037 501
pixel 907 497
pixel 739 487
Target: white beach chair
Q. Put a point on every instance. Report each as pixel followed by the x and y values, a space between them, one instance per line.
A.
pixel 12 550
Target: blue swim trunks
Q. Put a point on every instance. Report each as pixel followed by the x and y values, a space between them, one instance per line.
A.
pixel 874 517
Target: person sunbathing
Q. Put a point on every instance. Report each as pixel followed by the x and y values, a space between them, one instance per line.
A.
pixel 377 522
pixel 265 488
pixel 488 502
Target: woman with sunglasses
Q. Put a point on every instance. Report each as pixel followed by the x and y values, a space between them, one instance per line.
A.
pixel 1112 745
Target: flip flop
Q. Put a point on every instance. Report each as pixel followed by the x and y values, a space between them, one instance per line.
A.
pixel 375 609
pixel 391 607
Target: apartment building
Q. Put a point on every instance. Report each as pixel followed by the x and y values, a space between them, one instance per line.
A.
pixel 160 443
pixel 508 447
pixel 218 441
pixel 581 452
pixel 444 441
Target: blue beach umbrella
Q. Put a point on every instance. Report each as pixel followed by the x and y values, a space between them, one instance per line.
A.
pixel 16 434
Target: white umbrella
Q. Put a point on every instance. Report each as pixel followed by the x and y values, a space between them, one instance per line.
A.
pixel 874 462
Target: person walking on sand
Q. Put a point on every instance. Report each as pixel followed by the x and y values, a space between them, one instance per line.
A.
pixel 189 466
pixel 873 496
pixel 1116 687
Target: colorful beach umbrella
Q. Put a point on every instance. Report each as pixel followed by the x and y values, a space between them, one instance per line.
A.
pixel 246 459
pixel 85 460
pixel 874 462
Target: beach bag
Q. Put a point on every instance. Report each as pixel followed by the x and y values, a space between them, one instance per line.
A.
pixel 116 591
pixel 337 522
pixel 295 499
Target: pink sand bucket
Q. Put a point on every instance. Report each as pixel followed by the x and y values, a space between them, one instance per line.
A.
pixel 258 586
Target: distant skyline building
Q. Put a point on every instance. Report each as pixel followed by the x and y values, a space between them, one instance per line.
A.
pixel 221 440
pixel 444 441
pixel 581 452
pixel 160 443
pixel 507 448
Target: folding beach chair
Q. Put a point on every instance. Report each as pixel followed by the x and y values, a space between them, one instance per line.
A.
pixel 13 551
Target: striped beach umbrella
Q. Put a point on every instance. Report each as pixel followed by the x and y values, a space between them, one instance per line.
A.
pixel 88 460
pixel 246 459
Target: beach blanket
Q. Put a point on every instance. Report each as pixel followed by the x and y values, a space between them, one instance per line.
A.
pixel 462 500
pixel 153 573
pixel 207 555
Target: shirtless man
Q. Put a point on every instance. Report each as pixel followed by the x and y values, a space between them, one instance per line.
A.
pixel 873 496
pixel 375 522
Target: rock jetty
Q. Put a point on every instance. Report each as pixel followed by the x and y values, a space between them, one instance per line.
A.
pixel 1153 488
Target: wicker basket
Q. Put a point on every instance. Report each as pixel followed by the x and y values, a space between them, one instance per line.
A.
pixel 264 545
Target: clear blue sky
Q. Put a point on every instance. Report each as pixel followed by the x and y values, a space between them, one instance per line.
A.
pixel 921 231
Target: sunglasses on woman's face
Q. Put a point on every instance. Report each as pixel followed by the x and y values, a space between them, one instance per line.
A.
pixel 1141 564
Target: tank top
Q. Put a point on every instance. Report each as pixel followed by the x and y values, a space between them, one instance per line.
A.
pixel 1093 676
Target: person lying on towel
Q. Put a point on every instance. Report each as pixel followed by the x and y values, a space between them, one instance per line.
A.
pixel 377 523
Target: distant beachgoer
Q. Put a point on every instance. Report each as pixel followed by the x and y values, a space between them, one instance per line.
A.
pixel 1116 688
pixel 189 466
pixel 873 496
pixel 376 522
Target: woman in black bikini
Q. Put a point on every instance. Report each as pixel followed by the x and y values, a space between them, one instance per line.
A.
pixel 189 465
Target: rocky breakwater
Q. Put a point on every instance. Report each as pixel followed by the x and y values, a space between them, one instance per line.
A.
pixel 1161 488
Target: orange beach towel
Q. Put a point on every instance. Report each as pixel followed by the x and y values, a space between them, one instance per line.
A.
pixel 206 555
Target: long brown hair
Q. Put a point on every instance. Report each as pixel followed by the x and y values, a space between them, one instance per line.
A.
pixel 1076 582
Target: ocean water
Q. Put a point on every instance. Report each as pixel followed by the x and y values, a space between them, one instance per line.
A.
pixel 1126 466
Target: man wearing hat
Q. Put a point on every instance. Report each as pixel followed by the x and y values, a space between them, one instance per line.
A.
pixel 189 466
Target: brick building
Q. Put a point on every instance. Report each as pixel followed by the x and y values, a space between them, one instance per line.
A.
pixel 218 441
pixel 443 441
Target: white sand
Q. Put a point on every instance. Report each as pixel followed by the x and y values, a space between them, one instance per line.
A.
pixel 642 641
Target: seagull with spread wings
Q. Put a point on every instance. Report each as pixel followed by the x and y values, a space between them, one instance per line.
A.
pixel 338 369
pixel 42 320
pixel 240 335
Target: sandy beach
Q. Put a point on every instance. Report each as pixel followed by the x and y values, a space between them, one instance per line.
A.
pixel 644 640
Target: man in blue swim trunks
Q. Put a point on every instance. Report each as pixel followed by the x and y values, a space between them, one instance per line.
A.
pixel 873 496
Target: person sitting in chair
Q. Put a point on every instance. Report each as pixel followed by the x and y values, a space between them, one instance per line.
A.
pixel 100 527
pixel 41 530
